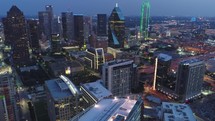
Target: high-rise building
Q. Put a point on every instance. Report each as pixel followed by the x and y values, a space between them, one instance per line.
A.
pixel 94 92
pixel 117 76
pixel 116 28
pixel 7 88
pixel 55 43
pixel 176 112
pixel 190 78
pixel 44 24
pixel 144 21
pixel 33 33
pixel 101 24
pixel 56 26
pixel 163 69
pixel 79 29
pixel 16 35
pixel 63 99
pixel 67 25
pixel 3 109
pixel 87 28
pixel 113 109
pixel 95 58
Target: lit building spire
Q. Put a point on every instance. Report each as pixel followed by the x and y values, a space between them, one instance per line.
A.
pixel 144 22
pixel 117 5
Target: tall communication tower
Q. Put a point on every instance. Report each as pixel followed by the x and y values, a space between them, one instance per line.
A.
pixel 144 21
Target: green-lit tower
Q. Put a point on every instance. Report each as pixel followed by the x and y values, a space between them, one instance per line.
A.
pixel 144 22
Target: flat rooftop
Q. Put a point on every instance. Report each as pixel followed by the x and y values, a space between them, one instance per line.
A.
pixel 97 90
pixel 190 61
pixel 164 57
pixel 109 109
pixel 58 89
pixel 177 112
pixel 119 62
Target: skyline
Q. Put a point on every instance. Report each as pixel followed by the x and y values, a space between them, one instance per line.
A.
pixel 158 8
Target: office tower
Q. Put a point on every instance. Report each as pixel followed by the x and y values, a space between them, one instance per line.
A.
pixel 117 76
pixel 67 25
pixel 176 112
pixel 163 70
pixel 44 25
pixel 3 109
pixel 7 88
pixel 33 33
pixel 79 29
pixel 55 43
pixel 116 28
pixel 98 41
pixel 16 35
pixel 190 78
pixel 63 99
pixel 117 109
pixel 95 58
pixel 101 24
pixel 56 26
pixel 49 9
pixel 87 28
pixel 94 92
pixel 144 21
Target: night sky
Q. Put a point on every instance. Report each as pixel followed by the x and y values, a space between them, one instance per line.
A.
pixel 128 7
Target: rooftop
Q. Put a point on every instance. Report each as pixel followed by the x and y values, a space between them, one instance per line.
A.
pixel 109 109
pixel 190 61
pixel 97 90
pixel 177 112
pixel 164 57
pixel 119 61
pixel 59 89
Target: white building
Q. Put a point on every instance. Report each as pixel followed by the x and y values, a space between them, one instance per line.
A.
pixel 94 92
pixel 176 112
pixel 117 109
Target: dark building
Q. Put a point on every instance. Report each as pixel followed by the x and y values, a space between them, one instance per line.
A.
pixel 55 43
pixel 116 28
pixel 163 69
pixel 33 33
pixel 190 79
pixel 79 29
pixel 67 25
pixel 16 35
pixel 44 24
pixel 56 26
pixel 101 24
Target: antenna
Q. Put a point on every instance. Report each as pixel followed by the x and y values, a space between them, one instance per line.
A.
pixel 116 4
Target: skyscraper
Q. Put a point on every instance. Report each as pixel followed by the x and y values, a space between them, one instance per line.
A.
pixel 117 76
pixel 67 25
pixel 163 69
pixel 144 22
pixel 79 29
pixel 7 88
pixel 33 33
pixel 190 78
pixel 16 35
pixel 116 28
pixel 44 24
pixel 63 99
pixel 101 24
